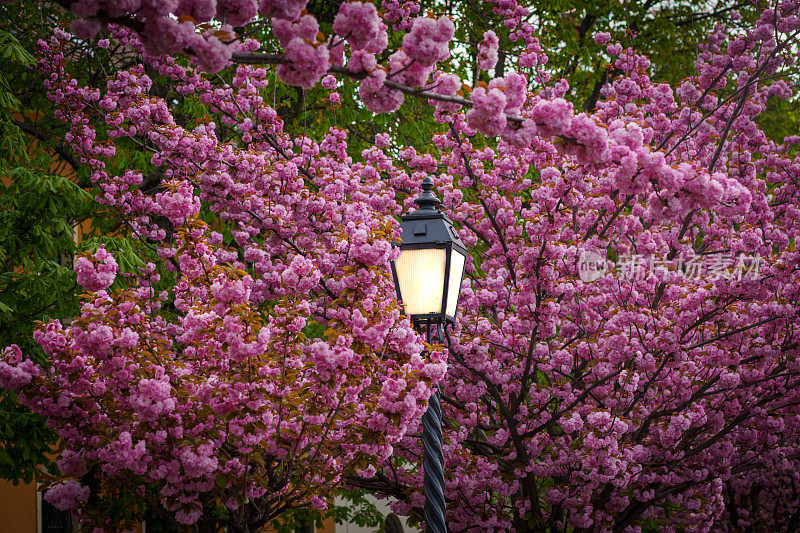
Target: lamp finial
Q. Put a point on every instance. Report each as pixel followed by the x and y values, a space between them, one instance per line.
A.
pixel 427 201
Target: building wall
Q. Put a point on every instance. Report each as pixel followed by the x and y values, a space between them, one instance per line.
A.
pixel 383 507
pixel 18 507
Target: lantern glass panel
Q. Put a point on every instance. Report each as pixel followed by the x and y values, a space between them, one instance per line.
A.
pixel 420 276
pixel 457 261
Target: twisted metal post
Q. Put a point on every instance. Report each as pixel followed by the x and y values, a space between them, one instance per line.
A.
pixel 433 457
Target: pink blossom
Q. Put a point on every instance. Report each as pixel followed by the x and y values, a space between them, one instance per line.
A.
pixel 358 23
pixel 377 97
pixel 428 41
pixel 552 117
pixel 231 292
pixel 179 203
pixel 514 87
pixel 85 8
pixel 98 272
pixel 487 50
pixel 488 112
pixel 14 371
pixel 71 463
pixel 236 12
pixel 307 63
pixel 361 60
pixel 602 37
pixel 193 514
pixel 67 496
pixel 329 82
pixel 211 54
pixel 405 71
pixel 166 36
pixel 281 9
pixel 400 12
pixel 276 328
pixel 199 10
pixel 306 27
pixel 336 48
pixel 85 28
pixel 446 85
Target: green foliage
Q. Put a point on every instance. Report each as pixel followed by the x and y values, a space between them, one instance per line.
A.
pixel 357 509
pixel 39 210
pixel 37 214
pixel 11 138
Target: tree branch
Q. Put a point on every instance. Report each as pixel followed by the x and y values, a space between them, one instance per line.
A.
pixel 61 150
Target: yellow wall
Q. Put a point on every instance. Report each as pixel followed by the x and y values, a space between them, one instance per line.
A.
pixel 17 507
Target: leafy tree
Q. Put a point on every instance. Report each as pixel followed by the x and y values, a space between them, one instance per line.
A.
pixel 47 215
pixel 37 210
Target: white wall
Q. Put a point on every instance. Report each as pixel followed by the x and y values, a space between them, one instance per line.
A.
pixel 383 507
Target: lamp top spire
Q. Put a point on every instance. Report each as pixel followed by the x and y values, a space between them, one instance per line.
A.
pixel 427 201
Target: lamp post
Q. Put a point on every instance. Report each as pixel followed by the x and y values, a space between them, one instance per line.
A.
pixel 427 277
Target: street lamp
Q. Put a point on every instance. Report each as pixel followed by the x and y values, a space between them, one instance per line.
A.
pixel 427 278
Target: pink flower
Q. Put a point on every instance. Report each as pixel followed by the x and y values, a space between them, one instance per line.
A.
pixel 407 72
pixel 282 9
pixel 514 86
pixel 72 463
pixel 306 28
pixel 52 337
pixel 358 23
pixel 307 63
pixel 361 60
pixel 165 36
pixel 119 8
pixel 15 372
pixel 602 37
pixel 487 115
pixel 85 28
pixel 429 40
pixel 379 44
pixel 211 54
pixel 178 203
pixel 487 50
pixel 152 398
pixel 236 12
pixel 199 10
pixel 376 96
pixel 67 496
pixel 188 517
pixel 232 292
pixel 85 8
pixel 96 273
pixel 552 117
pixel 329 82
pixel 446 85
pixel 336 48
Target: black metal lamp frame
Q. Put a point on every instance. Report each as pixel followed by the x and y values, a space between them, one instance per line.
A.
pixel 429 228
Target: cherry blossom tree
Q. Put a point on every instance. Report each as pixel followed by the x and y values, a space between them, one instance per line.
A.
pixel 260 359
